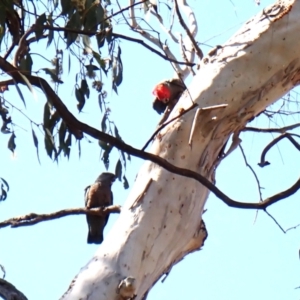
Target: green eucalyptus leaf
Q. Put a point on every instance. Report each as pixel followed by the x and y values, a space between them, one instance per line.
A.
pixel 103 123
pixel 26 63
pixel 5 182
pixel 36 144
pixel 11 143
pixel 100 101
pixel 39 28
pixel 74 23
pixel 20 92
pixel 3 194
pixel 85 88
pixel 118 170
pixel 47 115
pixel 80 98
pixel 125 183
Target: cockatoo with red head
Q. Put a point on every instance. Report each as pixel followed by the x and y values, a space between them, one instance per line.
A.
pixel 167 94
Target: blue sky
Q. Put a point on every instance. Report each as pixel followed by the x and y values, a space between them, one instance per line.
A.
pixel 245 256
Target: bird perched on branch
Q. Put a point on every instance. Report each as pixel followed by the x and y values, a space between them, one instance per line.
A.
pixel 167 94
pixel 98 194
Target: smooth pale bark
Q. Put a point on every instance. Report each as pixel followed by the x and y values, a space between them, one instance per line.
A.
pixel 161 220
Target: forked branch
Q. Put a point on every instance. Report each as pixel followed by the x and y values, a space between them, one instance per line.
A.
pixel 78 128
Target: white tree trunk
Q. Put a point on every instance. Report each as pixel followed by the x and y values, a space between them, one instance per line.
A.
pixel 161 220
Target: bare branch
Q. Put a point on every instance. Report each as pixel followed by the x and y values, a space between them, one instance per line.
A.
pixel 124 9
pixel 33 218
pixel 263 162
pixel 253 172
pixel 188 32
pixel 141 42
pixel 78 128
pixel 294 227
pixel 177 117
pixel 272 130
pixel 275 221
pixel 183 54
pixel 165 124
pixel 137 28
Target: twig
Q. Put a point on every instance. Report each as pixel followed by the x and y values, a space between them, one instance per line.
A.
pixel 141 42
pixel 124 9
pixel 263 162
pixel 252 170
pixel 156 41
pixel 22 44
pixel 78 128
pixel 182 23
pixel 183 55
pixel 166 123
pixel 33 218
pixel 274 220
pixel 21 112
pixel 180 115
pixel 294 227
pixel 271 130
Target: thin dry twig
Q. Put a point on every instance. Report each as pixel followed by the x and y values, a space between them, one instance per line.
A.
pixel 276 222
pixel 33 218
pixel 188 32
pixel 141 42
pixel 294 227
pixel 272 130
pixel 253 172
pixel 263 162
pixel 165 124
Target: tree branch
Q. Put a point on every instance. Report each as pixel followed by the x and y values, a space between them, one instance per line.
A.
pixel 188 32
pixel 141 42
pixel 10 292
pixel 263 162
pixel 33 218
pixel 78 128
pixel 194 105
pixel 272 130
pixel 252 170
pixel 137 28
pixel 276 222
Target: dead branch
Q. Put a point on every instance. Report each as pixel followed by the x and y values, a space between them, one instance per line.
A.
pixel 78 128
pixel 276 222
pixel 253 172
pixel 156 41
pixel 188 32
pixel 272 130
pixel 33 218
pixel 141 42
pixel 294 227
pixel 263 162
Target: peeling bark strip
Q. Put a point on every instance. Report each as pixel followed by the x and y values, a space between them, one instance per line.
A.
pixel 251 71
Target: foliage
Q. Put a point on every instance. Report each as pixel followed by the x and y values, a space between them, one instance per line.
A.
pixel 78 30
